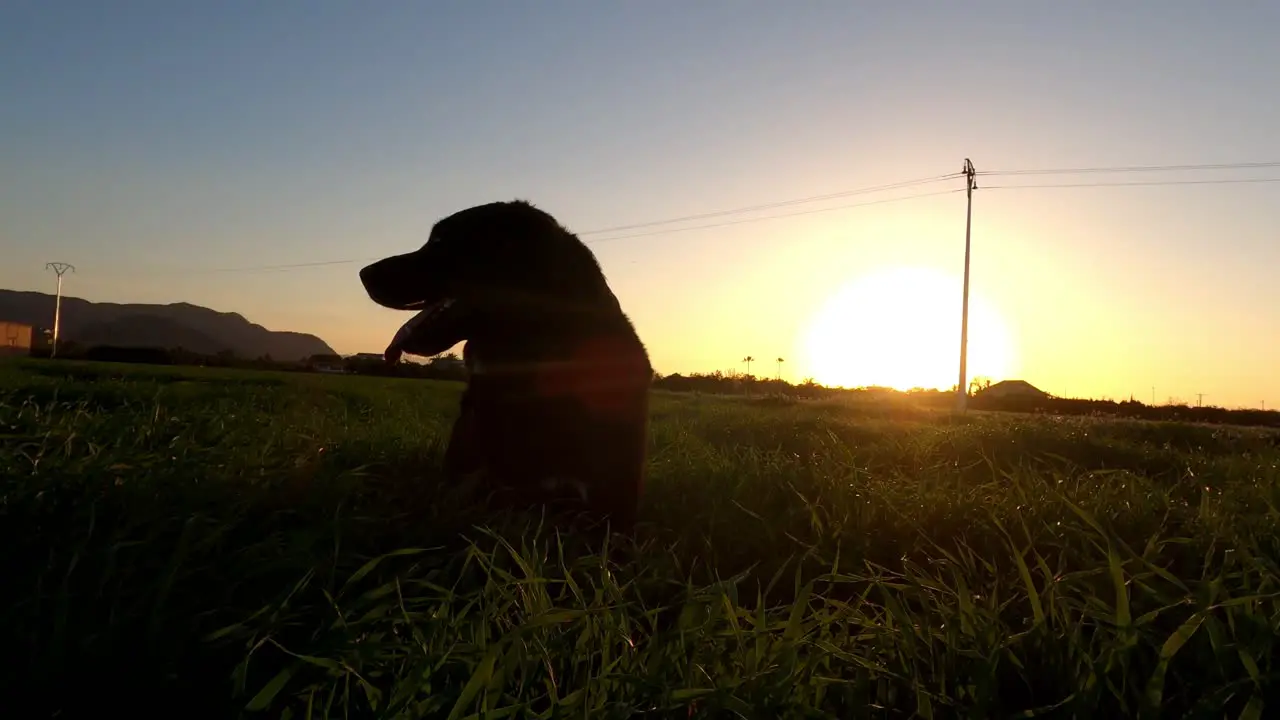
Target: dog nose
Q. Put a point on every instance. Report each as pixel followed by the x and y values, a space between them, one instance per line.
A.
pixel 371 278
pixel 376 290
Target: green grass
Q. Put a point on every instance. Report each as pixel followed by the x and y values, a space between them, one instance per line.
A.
pixel 213 542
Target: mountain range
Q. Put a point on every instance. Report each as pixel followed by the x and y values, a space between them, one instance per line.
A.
pixel 190 327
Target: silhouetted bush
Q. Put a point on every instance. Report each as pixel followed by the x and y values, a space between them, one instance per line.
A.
pixel 144 355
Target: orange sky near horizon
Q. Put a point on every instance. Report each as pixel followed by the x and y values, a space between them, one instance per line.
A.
pixel 1072 322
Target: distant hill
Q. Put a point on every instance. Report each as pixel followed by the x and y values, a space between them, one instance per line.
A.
pixel 191 327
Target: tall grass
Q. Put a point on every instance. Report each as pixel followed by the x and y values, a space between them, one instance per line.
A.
pixel 217 543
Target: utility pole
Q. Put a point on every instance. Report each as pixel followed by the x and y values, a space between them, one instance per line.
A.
pixel 1199 399
pixel 60 268
pixel 962 389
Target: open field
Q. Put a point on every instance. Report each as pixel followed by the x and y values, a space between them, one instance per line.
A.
pixel 220 540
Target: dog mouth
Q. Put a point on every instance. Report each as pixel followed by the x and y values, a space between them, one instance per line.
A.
pixel 437 327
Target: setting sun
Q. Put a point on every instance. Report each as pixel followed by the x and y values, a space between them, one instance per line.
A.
pixel 900 328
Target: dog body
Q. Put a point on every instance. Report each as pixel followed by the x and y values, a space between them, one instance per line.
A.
pixel 556 405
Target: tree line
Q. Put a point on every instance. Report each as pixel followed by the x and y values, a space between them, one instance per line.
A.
pixel 444 367
pixel 450 367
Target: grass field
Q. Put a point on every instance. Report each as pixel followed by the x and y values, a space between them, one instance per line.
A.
pixel 210 541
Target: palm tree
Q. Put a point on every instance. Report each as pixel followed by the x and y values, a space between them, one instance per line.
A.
pixel 748 360
pixel 780 361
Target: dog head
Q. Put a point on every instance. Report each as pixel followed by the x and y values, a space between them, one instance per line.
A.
pixel 497 259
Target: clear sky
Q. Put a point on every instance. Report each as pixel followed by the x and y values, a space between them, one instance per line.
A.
pixel 151 143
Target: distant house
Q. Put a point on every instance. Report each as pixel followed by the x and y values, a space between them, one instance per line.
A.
pixel 326 364
pixel 1013 390
pixel 366 357
pixel 15 338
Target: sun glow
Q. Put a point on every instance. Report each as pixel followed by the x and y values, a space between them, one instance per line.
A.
pixel 900 328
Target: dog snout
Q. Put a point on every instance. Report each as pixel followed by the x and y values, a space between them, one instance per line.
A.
pixel 391 283
pixel 373 277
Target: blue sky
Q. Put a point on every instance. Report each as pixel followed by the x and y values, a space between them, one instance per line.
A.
pixel 151 143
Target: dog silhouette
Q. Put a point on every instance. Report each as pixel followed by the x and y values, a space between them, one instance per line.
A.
pixel 556 404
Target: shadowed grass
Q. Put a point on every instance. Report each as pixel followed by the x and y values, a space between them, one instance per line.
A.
pixel 222 542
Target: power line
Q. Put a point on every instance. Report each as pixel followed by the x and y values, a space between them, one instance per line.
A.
pixel 781 215
pixel 781 203
pixel 1152 183
pixel 1136 168
pixel 847 206
pixel 289 266
pixel 668 221
pixel 850 193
